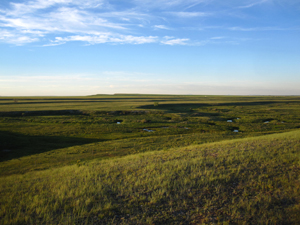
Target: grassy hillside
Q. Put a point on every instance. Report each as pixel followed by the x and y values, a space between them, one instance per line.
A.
pixel 46 132
pixel 243 181
pixel 149 159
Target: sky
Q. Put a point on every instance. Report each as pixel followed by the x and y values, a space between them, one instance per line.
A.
pixel 200 47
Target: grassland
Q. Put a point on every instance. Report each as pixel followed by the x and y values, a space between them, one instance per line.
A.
pixel 244 181
pixel 85 160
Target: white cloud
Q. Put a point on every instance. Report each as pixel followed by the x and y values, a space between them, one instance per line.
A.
pixel 73 20
pixel 190 14
pixel 17 39
pixel 104 21
pixel 105 38
pixel 61 20
pixel 163 4
pixel 253 3
pixel 163 27
pixel 169 37
pixel 135 39
pixel 35 5
pixel 260 29
pixel 217 38
pixel 129 39
pixel 176 41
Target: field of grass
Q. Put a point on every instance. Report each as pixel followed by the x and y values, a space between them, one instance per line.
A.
pixel 92 160
pixel 244 181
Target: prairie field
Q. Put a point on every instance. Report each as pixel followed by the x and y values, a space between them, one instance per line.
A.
pixel 150 159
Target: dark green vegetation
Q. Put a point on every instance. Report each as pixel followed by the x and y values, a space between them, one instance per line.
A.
pixel 77 143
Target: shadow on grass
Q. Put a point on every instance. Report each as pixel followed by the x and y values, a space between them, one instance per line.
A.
pixel 190 106
pixel 174 107
pixel 14 145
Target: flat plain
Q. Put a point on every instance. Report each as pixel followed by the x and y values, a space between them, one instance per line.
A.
pixel 150 159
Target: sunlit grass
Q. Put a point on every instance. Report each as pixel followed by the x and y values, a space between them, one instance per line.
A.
pixel 244 181
pixel 82 167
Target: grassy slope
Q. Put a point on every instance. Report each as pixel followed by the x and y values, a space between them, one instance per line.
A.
pixel 42 141
pixel 244 181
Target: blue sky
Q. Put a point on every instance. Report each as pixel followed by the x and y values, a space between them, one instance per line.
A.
pixel 75 47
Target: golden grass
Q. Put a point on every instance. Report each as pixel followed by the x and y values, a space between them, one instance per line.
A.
pixel 245 181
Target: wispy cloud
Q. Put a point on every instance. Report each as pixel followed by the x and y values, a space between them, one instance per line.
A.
pixel 190 14
pixel 61 20
pixel 261 28
pixel 35 5
pixel 91 22
pixel 162 27
pixel 105 38
pixel 17 38
pixel 121 39
pixel 28 21
pixel 253 3
pixel 217 38
pixel 163 4
pixel 175 41
pixel 117 22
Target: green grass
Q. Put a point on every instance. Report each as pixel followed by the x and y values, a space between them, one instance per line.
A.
pixel 65 160
pixel 130 102
pixel 38 138
pixel 244 181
